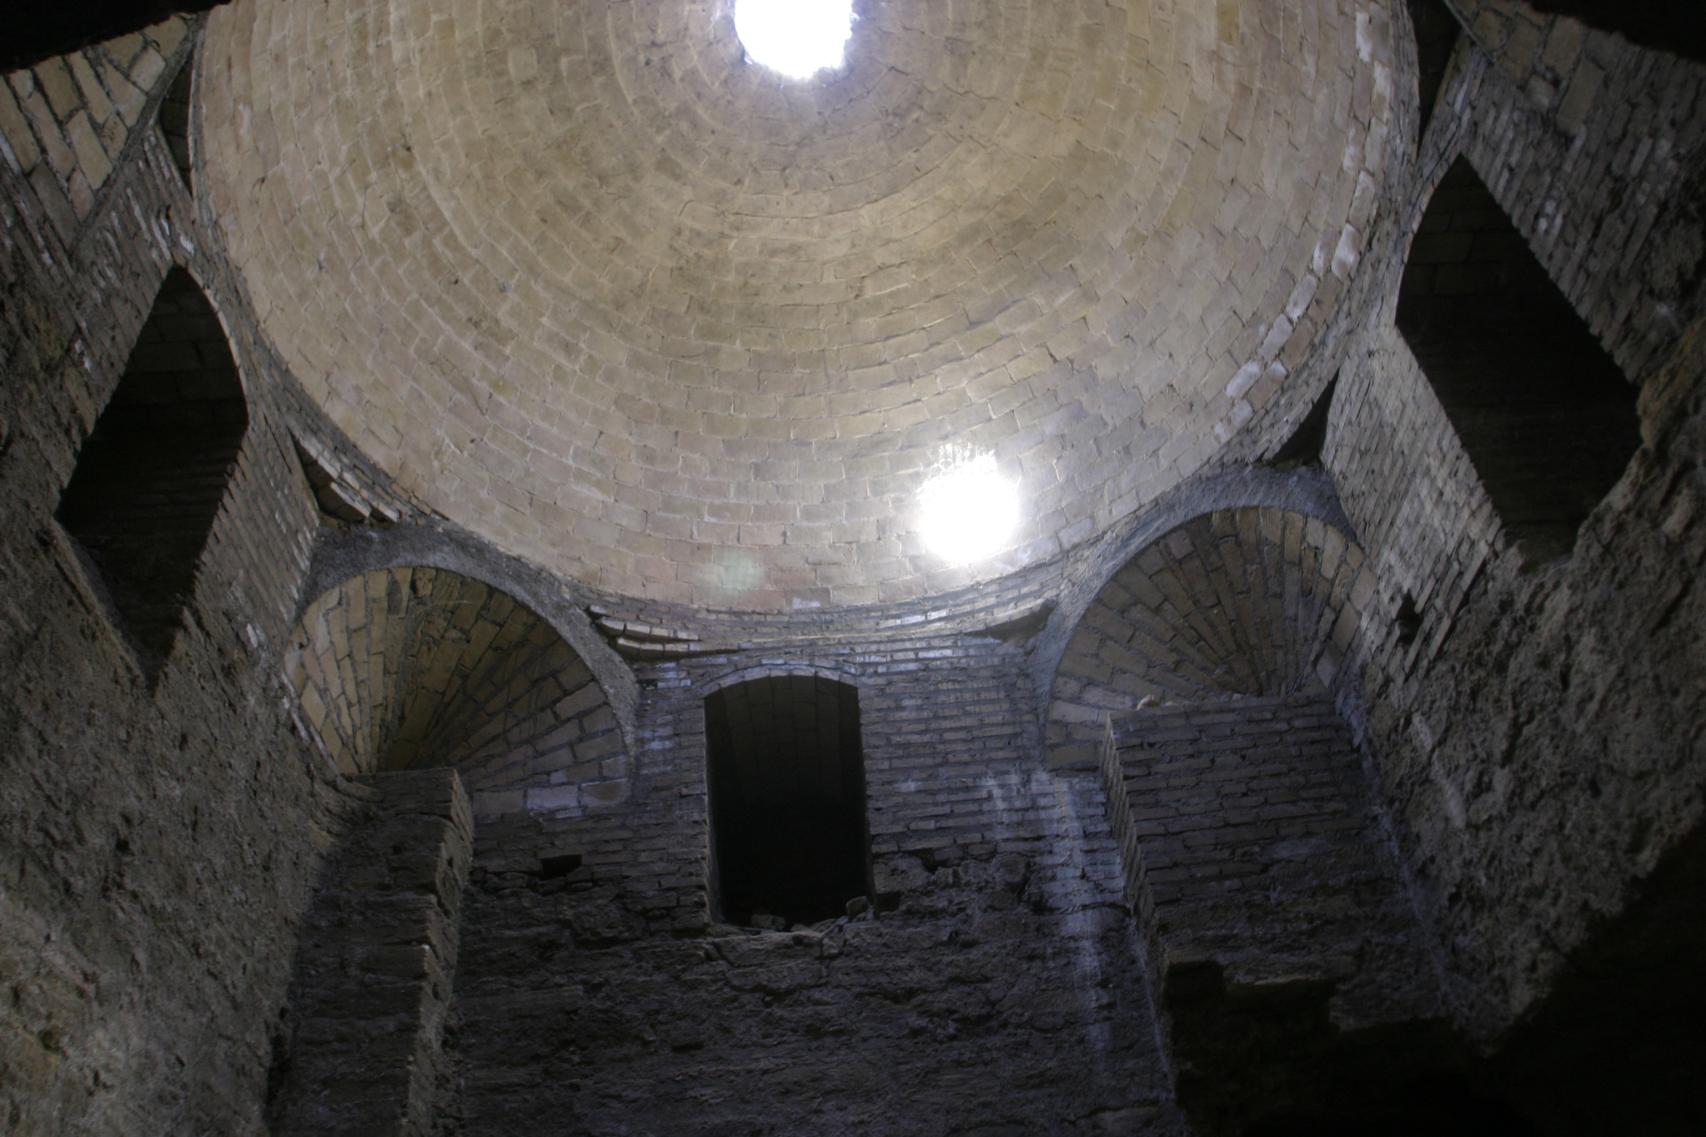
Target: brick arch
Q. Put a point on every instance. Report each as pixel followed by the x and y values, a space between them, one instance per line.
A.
pixel 414 666
pixel 773 671
pixel 1238 601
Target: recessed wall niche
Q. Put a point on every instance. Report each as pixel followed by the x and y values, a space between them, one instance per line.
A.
pixel 151 475
pixel 1546 416
pixel 787 787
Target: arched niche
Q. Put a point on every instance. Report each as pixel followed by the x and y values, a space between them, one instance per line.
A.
pixel 174 118
pixel 410 667
pixel 1238 601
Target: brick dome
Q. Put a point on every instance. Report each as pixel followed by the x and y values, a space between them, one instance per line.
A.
pixel 589 283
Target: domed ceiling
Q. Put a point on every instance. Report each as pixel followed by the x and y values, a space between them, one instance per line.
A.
pixel 595 286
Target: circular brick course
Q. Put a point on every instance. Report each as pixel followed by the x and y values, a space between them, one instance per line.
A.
pixel 590 284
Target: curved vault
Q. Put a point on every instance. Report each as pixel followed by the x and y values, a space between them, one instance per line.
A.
pixel 412 667
pixel 590 285
pixel 1235 602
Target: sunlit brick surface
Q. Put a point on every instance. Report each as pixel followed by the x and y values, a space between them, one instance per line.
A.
pixel 593 286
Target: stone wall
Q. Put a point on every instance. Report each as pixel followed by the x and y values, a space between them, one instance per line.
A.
pixel 1534 731
pixel 160 844
pixel 1537 729
pixel 361 1046
pixel 594 988
pixel 1280 934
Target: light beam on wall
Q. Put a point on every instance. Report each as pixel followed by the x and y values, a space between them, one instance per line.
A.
pixel 797 38
pixel 969 510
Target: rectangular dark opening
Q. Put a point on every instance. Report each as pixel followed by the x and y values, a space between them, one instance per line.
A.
pixel 787 786
pixel 1546 416
pixel 558 866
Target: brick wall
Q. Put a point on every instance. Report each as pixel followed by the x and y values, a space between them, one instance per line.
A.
pixel 361 1048
pixel 1250 826
pixel 1511 769
pixel 161 844
pixel 67 121
pixel 1591 145
pixel 999 939
pixel 1547 419
pixel 1280 937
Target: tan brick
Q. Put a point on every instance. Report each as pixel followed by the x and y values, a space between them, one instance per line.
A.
pixel 54 80
pixel 94 95
pixel 16 131
pixel 92 158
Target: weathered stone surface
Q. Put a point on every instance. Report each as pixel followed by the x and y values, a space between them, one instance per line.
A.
pixel 1159 232
pixel 160 846
pixel 360 1048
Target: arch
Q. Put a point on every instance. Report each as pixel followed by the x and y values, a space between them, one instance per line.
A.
pixel 786 781
pixel 433 544
pixel 1307 490
pixel 412 667
pixel 741 675
pixel 151 476
pixel 1239 601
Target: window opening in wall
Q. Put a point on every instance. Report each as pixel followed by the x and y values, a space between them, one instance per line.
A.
pixel 1544 413
pixel 1303 448
pixel 150 477
pixel 175 120
pixel 1436 38
pixel 787 785
pixel 795 38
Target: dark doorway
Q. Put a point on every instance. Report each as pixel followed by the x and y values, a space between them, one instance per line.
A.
pixel 787 785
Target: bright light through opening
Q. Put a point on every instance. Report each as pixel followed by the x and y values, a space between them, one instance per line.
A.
pixel 798 38
pixel 969 511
